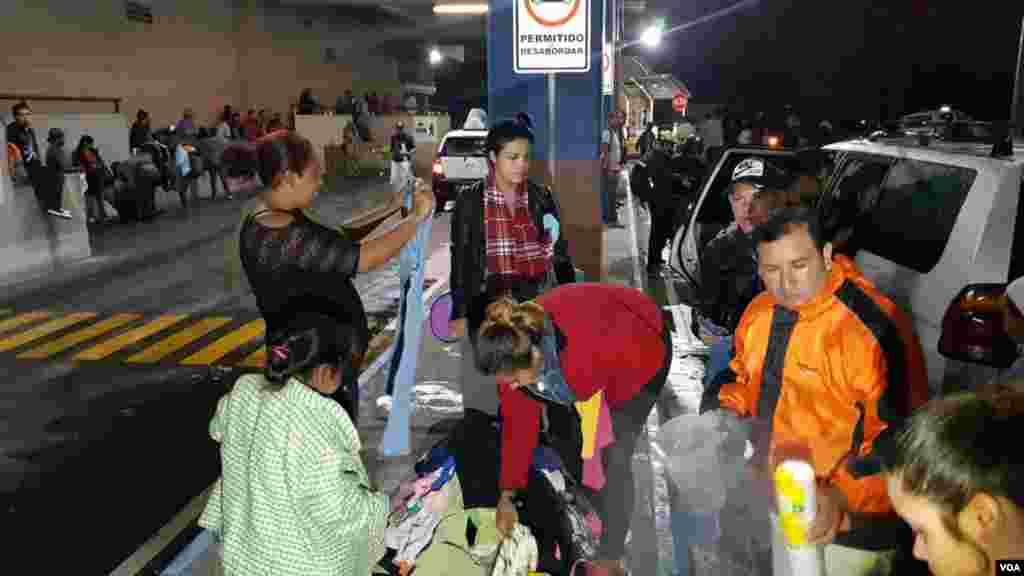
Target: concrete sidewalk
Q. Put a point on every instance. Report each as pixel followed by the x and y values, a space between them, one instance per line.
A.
pixel 437 397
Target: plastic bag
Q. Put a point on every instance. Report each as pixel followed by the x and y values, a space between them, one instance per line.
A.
pixel 706 457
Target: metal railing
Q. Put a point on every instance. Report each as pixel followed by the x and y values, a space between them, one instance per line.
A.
pixel 47 98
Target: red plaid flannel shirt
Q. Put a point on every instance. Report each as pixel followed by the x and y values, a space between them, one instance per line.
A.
pixel 514 245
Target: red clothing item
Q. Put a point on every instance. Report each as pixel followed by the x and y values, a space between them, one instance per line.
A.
pixel 614 343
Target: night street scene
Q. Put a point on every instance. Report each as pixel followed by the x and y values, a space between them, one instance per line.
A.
pixel 512 288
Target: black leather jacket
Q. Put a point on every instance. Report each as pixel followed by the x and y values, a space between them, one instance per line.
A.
pixel 469 259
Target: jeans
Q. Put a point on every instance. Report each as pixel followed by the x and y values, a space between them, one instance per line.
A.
pixel 609 197
pixel 616 499
pixel 718 362
pixel 402 372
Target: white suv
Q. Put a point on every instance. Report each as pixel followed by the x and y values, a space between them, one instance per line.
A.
pixel 939 228
pixel 461 159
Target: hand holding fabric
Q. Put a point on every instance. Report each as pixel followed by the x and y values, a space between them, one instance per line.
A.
pixel 552 226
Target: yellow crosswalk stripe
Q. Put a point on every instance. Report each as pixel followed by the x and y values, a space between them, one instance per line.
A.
pixel 108 347
pixel 257 359
pixel 172 344
pixel 22 319
pixel 76 338
pixel 12 342
pixel 226 344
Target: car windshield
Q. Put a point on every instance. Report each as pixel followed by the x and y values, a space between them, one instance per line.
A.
pixel 464 146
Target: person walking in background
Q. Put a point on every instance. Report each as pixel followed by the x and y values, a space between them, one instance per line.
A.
pixel 47 188
pixel 611 167
pixel 87 156
pixel 403 149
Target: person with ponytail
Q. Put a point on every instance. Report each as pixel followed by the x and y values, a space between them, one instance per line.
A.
pixel 294 497
pixel 505 240
pixel 286 255
pixel 564 347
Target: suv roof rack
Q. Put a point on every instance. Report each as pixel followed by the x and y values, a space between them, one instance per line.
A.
pixel 988 139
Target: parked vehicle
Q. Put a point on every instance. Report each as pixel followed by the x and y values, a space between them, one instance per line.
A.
pixel 938 227
pixel 461 159
pixel 712 212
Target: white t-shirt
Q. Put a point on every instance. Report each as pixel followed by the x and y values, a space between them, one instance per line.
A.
pixel 614 147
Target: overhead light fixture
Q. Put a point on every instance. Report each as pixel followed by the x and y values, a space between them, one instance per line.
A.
pixel 652 36
pixel 435 56
pixel 461 8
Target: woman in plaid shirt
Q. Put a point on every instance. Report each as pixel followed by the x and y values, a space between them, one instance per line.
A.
pixel 505 241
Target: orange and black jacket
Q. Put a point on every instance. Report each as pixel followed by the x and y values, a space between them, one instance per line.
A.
pixel 833 379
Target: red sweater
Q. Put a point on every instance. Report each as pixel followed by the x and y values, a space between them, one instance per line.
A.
pixel 613 343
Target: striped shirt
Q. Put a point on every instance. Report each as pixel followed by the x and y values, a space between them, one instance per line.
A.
pixel 293 496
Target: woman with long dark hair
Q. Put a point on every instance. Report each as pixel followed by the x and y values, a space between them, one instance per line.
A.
pixel 286 255
pixel 506 240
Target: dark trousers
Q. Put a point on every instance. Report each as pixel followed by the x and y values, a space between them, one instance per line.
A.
pixel 662 222
pixel 94 191
pixel 616 499
pixel 46 183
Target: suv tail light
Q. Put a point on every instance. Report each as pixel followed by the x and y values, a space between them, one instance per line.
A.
pixel 438 168
pixel 973 329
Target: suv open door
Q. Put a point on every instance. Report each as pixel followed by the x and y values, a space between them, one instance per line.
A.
pixel 713 213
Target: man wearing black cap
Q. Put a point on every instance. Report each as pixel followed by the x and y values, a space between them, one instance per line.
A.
pixel 728 278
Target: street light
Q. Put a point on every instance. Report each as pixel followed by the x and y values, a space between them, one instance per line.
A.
pixel 435 56
pixel 461 8
pixel 652 36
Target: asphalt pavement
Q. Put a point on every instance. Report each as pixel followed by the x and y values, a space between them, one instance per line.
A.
pixel 112 370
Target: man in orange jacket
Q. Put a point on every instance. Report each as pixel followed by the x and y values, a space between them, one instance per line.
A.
pixel 830 367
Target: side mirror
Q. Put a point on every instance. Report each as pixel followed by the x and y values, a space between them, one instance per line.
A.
pixel 973 328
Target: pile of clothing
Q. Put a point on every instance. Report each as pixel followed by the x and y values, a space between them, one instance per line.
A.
pixel 437 529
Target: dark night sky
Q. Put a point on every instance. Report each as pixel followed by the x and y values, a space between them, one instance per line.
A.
pixel 847 58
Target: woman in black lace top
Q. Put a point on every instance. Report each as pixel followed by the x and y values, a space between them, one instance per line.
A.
pixel 286 256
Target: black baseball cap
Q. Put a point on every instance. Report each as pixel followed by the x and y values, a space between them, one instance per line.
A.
pixel 761 174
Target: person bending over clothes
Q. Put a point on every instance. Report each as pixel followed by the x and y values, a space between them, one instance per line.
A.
pixel 294 497
pixel 624 351
pixel 287 255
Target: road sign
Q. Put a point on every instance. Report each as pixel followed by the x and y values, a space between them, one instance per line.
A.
pixel 552 36
pixel 679 103
pixel 608 71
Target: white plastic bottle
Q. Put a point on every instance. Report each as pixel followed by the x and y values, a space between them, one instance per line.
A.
pixel 796 494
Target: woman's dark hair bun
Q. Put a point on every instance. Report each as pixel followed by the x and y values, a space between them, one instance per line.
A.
pixel 524 120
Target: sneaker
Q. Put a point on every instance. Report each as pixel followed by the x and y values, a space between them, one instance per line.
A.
pixel 60 214
pixel 384 406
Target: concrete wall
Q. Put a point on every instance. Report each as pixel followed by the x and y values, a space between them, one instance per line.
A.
pixel 197 53
pixel 31 242
pixel 324 130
